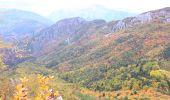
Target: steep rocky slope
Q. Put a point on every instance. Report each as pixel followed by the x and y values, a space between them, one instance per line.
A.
pixel 161 15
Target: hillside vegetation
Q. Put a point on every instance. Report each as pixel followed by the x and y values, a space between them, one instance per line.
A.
pixel 88 60
pixel 134 58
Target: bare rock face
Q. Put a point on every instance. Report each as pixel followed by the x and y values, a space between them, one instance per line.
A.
pixel 161 15
pixel 62 28
pixel 67 26
pixel 146 17
pixel 167 20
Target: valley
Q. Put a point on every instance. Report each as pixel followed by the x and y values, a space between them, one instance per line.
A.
pixel 79 59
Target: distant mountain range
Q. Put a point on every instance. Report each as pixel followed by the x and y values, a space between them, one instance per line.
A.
pixel 90 13
pixel 19 23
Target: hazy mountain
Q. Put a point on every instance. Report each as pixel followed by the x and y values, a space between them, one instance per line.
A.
pixel 19 23
pixel 90 13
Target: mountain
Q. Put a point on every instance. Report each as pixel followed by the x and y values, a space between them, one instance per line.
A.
pixel 89 60
pixel 18 23
pixel 132 53
pixel 161 15
pixel 65 32
pixel 75 29
pixel 90 13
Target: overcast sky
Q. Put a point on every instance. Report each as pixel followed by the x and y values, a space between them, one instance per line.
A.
pixel 45 7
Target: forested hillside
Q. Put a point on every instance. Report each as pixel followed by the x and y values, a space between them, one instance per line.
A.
pixel 129 56
pixel 78 59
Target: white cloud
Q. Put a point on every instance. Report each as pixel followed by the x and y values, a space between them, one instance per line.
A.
pixel 45 7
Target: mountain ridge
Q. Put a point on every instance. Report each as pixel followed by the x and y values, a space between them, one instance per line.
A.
pixel 89 28
pixel 14 20
pixel 122 59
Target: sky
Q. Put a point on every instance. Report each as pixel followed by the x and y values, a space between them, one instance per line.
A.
pixel 45 7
